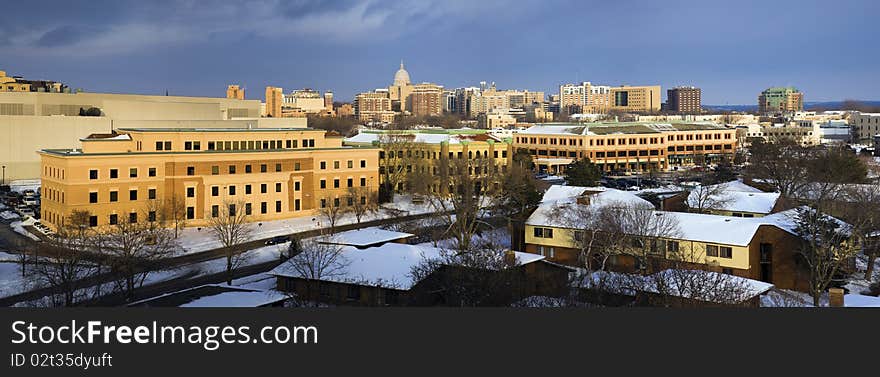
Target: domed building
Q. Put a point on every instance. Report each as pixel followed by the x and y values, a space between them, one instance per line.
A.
pixel 400 89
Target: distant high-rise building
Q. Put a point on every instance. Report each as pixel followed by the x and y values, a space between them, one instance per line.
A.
pixel 328 101
pixel 640 99
pixel 684 99
pixel 373 106
pixel 584 98
pixel 234 92
pixel 449 103
pixel 779 99
pixel 274 98
pixel 425 100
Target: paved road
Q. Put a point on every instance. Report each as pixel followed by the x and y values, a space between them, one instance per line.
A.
pixel 196 258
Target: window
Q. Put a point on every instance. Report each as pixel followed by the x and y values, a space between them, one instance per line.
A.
pixel 296 204
pixel 133 217
pixel 547 251
pixel 336 183
pixel 247 189
pixel 323 203
pixel 159 145
pixel 726 252
pixel 247 209
pixel 93 197
pixel 187 145
pixel 114 173
pixel 672 246
pixel 231 169
pixel 197 145
pixel 167 145
pixel 133 194
pixel 263 168
pixel 231 190
pixel 151 216
pixel 114 196
pixel 190 213
pixel 323 183
pixel 296 186
pixel 711 251
pixel 350 164
pixel 336 202
pixel 363 163
pixel 114 219
pixel 323 165
pixel 277 206
pixel 151 193
pixel 93 221
pixel 215 210
pixel 263 188
pixel 296 166
pixel 215 170
pixel 277 187
pixel 93 174
pixel 215 191
pixel 151 172
pixel 190 170
pixel 247 169
pixel 363 182
pixel 231 210
pixel 350 182
pixel 543 232
pixel 263 207
pixel 277 167
pixel 190 192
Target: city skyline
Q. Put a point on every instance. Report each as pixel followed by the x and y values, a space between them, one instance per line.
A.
pixel 356 46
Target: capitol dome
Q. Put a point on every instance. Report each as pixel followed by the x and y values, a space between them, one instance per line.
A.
pixel 401 77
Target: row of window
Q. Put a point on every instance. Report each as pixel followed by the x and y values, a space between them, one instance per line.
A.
pixel 114 173
pixel 618 141
pixel 235 145
pixel 655 246
pixel 433 155
pixel 114 195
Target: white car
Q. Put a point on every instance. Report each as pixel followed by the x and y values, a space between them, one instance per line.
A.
pixel 30 201
pixel 26 213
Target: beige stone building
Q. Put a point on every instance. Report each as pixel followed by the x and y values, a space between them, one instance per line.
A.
pixel 865 126
pixel 30 121
pixel 585 98
pixel 400 89
pixel 626 147
pixel 274 100
pixel 373 106
pixel 270 173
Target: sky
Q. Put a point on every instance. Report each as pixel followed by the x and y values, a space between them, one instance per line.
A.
pixel 730 49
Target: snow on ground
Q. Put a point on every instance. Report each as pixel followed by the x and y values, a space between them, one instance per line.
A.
pixel 11 281
pixel 18 227
pixel 9 215
pixel 197 239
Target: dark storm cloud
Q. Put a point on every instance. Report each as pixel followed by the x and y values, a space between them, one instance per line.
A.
pixel 730 49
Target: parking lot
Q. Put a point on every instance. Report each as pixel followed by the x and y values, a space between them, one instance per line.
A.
pixel 21 209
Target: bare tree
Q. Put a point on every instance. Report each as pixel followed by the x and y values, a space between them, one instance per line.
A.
pixel 863 212
pixel 781 163
pixel 397 154
pixel 134 246
pixel 706 198
pixel 826 248
pixel 333 213
pixel 231 227
pixel 363 202
pixel 466 188
pixel 174 213
pixel 483 274
pixel 686 286
pixel 317 259
pixel 64 262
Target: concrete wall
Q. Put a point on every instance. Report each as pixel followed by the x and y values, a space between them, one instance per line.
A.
pixel 22 136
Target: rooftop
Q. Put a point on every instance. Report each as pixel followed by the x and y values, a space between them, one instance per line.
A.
pixel 367 237
pixel 611 128
pixel 214 296
pixel 228 129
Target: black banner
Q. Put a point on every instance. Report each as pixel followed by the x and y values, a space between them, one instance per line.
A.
pixel 107 342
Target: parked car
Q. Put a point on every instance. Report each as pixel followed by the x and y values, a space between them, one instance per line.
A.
pixel 29 201
pixel 28 193
pixel 27 212
pixel 277 240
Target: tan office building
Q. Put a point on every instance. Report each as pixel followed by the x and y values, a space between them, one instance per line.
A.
pixel 274 100
pixel 638 99
pixel 234 92
pixel 30 121
pixel 267 173
pixel 626 147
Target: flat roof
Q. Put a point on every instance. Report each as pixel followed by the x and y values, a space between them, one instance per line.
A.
pixel 612 128
pixel 366 237
pixel 79 152
pixel 229 129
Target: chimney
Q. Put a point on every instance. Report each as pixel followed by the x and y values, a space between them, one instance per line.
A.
pixel 510 257
pixel 835 297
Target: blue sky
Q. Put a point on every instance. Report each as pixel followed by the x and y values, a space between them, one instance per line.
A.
pixel 731 49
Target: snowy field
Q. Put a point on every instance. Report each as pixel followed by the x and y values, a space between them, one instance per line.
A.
pixel 193 240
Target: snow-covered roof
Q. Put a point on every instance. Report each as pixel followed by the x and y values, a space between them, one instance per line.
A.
pixel 557 197
pixel 707 279
pixel 367 237
pixel 556 130
pixel 387 266
pixel 728 198
pixel 702 284
pixel 739 185
pixel 237 299
pixel 857 301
